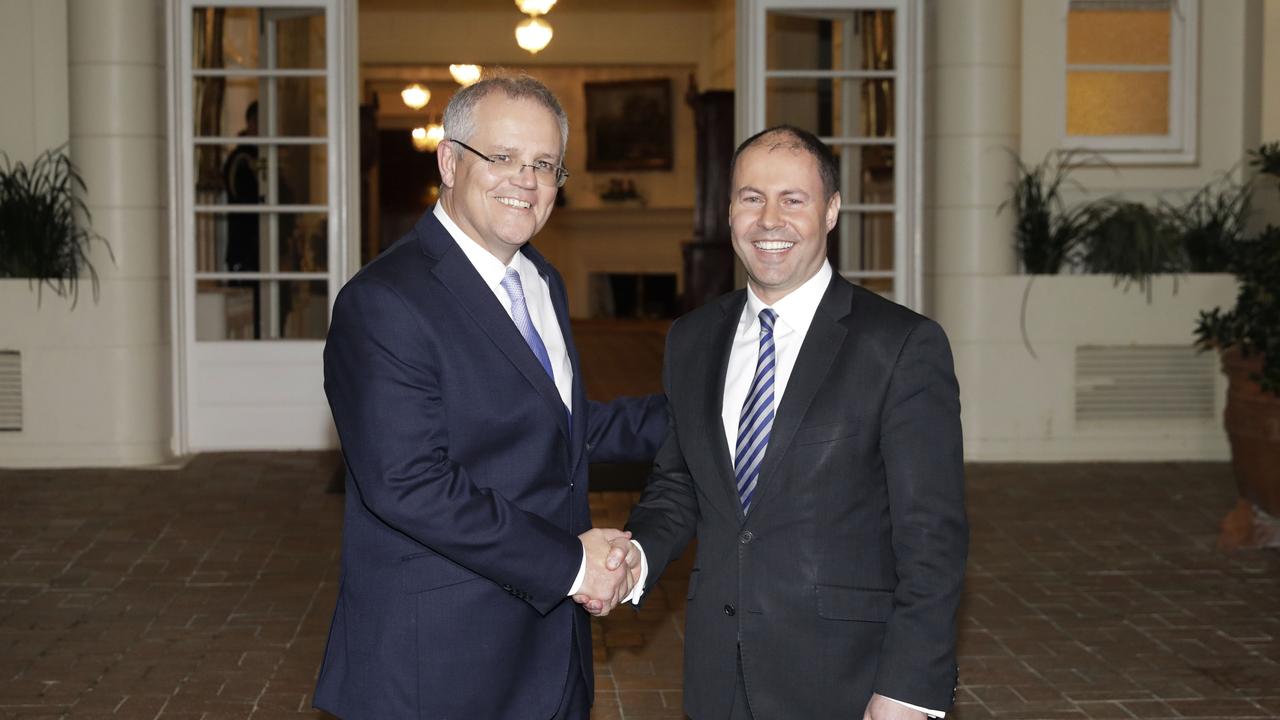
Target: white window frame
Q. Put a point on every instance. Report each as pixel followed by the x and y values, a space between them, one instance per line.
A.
pixel 1178 146
pixel 908 136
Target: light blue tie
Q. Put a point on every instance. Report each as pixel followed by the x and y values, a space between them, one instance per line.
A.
pixel 520 314
pixel 757 415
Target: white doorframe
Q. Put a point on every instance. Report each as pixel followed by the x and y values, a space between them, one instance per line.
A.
pixel 908 117
pixel 341 139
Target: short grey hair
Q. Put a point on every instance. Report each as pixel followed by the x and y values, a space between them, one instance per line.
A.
pixel 459 116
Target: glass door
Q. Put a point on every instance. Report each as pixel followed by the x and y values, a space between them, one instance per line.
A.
pixel 849 73
pixel 258 244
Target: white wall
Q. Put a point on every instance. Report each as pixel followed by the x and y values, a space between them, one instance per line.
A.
pixel 95 378
pixel 33 77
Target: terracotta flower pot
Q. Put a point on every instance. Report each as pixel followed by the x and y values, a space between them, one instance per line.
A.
pixel 1252 420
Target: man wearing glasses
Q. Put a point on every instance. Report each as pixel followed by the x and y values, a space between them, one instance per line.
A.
pixel 455 387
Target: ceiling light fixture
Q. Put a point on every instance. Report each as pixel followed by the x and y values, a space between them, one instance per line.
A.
pixel 465 75
pixel 533 34
pixel 415 96
pixel 535 7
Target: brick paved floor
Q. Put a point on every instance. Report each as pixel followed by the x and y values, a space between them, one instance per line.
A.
pixel 1094 592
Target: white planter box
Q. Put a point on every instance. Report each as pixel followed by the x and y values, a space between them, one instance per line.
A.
pixel 1033 403
pixel 95 380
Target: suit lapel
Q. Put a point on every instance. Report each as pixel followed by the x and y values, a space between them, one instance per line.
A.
pixel 720 340
pixel 455 272
pixel 825 337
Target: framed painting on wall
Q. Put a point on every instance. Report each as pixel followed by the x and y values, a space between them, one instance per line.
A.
pixel 629 125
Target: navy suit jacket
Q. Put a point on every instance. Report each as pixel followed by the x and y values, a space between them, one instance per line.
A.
pixel 466 491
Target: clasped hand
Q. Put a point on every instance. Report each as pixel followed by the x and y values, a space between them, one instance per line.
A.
pixel 613 569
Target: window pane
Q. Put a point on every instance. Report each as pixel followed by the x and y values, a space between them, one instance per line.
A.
pixel 825 107
pixel 1118 37
pixel 238 242
pixel 238 174
pixel 227 106
pixel 866 241
pixel 233 38
pixel 261 310
pixel 1117 103
pixel 866 174
pixel 825 40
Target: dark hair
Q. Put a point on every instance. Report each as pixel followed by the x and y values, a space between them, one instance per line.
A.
pixel 251 112
pixel 794 138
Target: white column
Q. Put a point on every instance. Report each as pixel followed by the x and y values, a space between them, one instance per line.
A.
pixel 972 79
pixel 117 125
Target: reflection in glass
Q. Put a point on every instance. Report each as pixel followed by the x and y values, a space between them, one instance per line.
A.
pixel 301 243
pixel 826 40
pixel 825 107
pixel 301 174
pixel 285 310
pixel 229 38
pixel 866 174
pixel 866 241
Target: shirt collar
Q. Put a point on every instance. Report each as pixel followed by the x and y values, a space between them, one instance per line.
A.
pixel 796 309
pixel 490 268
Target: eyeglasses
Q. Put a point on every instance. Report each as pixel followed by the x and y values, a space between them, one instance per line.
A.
pixel 505 166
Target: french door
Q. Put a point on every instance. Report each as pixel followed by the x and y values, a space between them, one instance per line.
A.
pixel 848 71
pixel 259 197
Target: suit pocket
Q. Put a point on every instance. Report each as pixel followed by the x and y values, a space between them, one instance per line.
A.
pixel 693 584
pixel 825 433
pixel 846 603
pixel 425 571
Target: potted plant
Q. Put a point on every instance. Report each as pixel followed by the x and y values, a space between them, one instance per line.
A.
pixel 1248 338
pixel 45 234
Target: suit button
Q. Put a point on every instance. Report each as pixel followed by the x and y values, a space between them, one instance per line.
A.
pixel 745 537
pixel 728 610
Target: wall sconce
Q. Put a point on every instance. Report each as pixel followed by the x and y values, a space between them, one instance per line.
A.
pixel 415 96
pixel 465 75
pixel 535 7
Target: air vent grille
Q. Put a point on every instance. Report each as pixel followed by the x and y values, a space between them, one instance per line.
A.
pixel 10 390
pixel 1144 382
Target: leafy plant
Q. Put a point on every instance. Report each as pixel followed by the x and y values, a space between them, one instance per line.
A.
pixel 1047 235
pixel 1253 325
pixel 41 234
pixel 1133 242
pixel 1210 223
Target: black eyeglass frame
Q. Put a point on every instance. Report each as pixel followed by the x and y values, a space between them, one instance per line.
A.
pixel 562 175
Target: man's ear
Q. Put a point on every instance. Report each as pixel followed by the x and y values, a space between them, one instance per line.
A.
pixel 447 160
pixel 833 210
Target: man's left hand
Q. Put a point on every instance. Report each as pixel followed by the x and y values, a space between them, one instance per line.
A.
pixel 882 708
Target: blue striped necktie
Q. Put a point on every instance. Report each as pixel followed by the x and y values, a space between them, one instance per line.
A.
pixel 757 416
pixel 520 314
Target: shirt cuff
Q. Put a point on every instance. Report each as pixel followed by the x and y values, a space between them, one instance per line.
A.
pixel 917 708
pixel 582 575
pixel 638 591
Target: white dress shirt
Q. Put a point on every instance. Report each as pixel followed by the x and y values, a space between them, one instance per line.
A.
pixel 795 313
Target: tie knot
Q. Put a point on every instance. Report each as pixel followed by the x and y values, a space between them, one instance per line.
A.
pixel 511 283
pixel 767 317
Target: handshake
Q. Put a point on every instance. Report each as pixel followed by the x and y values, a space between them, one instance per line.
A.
pixel 613 570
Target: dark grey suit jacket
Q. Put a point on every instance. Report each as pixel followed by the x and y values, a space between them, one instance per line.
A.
pixel 845 577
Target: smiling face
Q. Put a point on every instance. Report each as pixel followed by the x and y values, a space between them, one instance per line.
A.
pixel 501 213
pixel 780 216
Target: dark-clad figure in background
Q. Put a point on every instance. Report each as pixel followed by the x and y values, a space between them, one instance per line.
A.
pixel 456 390
pixel 240 178
pixel 815 452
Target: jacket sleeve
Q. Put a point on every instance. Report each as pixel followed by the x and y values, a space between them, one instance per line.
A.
pixel 381 372
pixel 665 519
pixel 628 429
pixel 924 468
